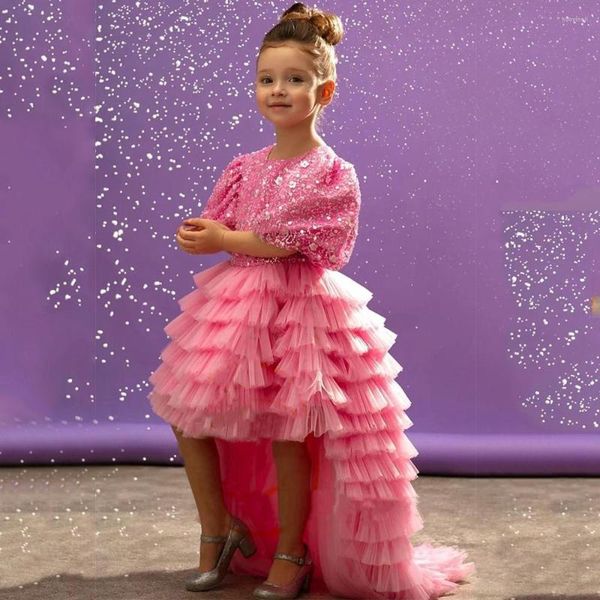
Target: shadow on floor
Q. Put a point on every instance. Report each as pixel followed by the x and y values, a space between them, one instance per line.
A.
pixel 555 597
pixel 149 585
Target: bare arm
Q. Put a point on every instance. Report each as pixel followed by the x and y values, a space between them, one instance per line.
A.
pixel 247 242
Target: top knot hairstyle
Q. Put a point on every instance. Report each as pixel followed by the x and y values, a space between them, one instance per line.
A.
pixel 301 22
pixel 318 32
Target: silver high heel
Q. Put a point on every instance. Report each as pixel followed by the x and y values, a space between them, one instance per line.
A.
pixel 292 589
pixel 239 536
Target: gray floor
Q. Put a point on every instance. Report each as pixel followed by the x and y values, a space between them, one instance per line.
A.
pixel 127 532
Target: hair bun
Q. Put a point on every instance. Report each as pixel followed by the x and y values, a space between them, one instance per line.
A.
pixel 328 25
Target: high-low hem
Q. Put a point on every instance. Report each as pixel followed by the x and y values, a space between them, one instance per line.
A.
pixel 290 351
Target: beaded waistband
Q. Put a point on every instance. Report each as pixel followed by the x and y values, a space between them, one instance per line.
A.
pixel 245 260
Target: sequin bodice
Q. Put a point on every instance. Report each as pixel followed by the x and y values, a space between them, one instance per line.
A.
pixel 308 203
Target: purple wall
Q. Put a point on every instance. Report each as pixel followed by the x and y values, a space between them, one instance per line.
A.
pixel 474 131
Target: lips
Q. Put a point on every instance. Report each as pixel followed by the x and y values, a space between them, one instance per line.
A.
pixel 279 105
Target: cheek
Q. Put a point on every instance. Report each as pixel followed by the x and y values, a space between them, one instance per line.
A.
pixel 305 98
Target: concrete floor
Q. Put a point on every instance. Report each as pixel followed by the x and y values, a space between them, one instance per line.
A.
pixel 127 532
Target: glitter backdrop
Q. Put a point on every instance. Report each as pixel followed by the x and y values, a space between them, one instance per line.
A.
pixel 473 127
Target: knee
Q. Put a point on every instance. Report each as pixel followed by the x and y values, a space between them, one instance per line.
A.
pixel 179 433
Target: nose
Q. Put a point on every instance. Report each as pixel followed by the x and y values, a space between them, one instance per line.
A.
pixel 278 88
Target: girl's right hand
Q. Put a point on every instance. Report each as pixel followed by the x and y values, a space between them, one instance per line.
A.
pixel 185 243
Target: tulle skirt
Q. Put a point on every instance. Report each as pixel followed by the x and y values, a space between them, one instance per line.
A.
pixel 290 351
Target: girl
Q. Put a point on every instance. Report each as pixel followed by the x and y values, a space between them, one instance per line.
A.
pixel 277 381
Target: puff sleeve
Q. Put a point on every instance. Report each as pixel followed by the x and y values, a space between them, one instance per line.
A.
pixel 220 204
pixel 321 224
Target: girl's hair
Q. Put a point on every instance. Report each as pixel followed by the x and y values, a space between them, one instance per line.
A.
pixel 317 30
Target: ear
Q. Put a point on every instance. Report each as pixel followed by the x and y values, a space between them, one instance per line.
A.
pixel 327 91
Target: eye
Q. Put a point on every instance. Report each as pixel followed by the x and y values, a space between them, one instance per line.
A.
pixel 263 79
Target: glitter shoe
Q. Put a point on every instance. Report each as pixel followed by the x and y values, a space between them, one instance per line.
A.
pixel 239 536
pixel 292 589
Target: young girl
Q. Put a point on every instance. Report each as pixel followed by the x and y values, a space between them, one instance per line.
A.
pixel 277 381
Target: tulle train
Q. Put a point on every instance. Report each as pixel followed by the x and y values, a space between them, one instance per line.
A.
pixel 290 351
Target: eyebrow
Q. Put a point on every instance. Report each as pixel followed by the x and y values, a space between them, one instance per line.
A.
pixel 286 69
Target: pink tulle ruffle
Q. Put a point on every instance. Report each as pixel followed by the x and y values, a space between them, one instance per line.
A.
pixel 290 351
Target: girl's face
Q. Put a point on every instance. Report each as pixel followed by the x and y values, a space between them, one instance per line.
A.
pixel 285 76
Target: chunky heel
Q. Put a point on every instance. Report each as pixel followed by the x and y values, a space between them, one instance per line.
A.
pixel 238 536
pixel 247 546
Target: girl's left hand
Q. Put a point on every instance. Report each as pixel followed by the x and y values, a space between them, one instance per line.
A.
pixel 206 237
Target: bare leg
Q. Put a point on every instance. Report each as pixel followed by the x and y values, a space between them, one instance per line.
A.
pixel 201 461
pixel 293 479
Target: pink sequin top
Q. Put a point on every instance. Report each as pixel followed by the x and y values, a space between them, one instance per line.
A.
pixel 309 203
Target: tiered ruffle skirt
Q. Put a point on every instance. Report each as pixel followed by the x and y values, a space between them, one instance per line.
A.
pixel 290 351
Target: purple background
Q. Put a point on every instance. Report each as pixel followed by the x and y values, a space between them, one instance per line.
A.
pixel 473 128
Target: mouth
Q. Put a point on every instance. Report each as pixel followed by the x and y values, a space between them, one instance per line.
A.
pixel 279 105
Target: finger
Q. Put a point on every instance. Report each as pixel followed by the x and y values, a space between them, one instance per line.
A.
pixel 184 244
pixel 196 221
pixel 188 235
pixel 193 237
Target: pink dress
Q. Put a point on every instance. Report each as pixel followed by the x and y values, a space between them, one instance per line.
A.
pixel 285 348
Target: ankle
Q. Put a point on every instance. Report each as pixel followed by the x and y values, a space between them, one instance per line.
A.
pixel 217 526
pixel 293 548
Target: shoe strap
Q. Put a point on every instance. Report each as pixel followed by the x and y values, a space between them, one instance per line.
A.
pixel 212 538
pixel 299 560
pixel 235 523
